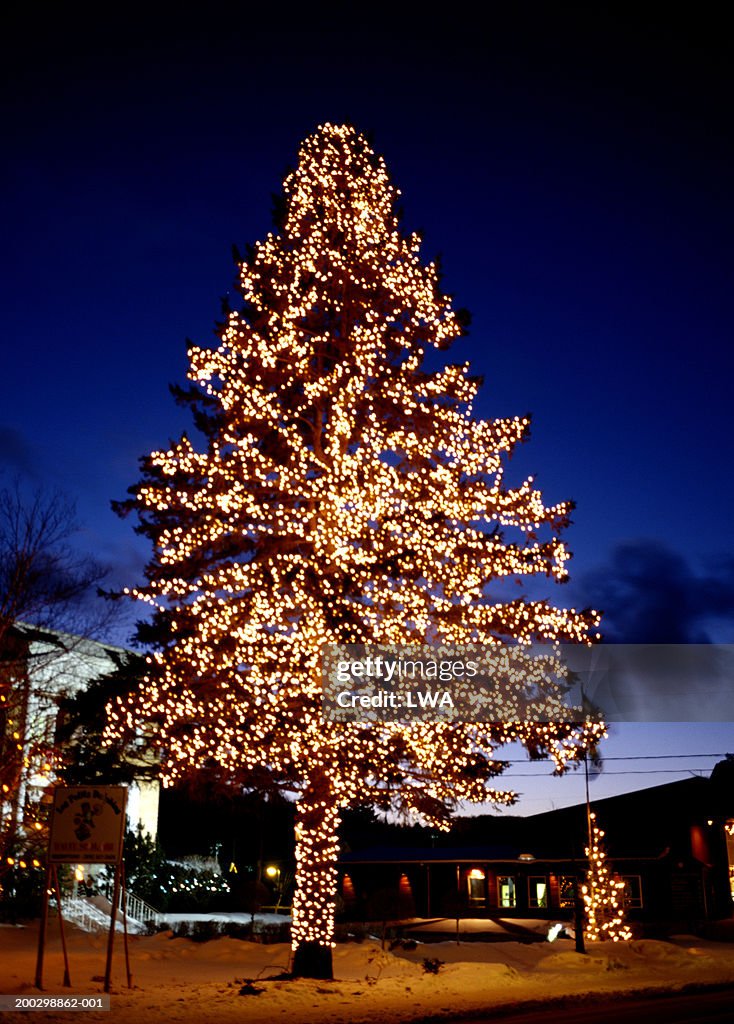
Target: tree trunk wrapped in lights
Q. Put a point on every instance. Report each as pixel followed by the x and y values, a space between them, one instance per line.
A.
pixel 341 492
pixel 314 901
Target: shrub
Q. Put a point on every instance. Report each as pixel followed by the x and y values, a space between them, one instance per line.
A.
pixel 238 930
pixel 205 931
pixel 276 931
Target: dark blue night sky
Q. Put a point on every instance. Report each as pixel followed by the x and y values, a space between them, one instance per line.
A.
pixel 571 166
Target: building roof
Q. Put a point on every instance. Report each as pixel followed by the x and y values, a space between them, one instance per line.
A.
pixel 645 824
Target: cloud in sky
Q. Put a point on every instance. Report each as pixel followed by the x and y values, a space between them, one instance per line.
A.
pixel 649 593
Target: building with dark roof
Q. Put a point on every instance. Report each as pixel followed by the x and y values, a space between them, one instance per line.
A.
pixel 672 845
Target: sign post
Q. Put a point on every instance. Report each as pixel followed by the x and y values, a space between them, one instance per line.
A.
pixel 57 887
pixel 113 921
pixel 86 826
pixel 42 932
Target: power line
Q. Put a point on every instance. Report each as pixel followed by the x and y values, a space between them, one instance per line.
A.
pixel 635 757
pixel 627 771
pixel 654 757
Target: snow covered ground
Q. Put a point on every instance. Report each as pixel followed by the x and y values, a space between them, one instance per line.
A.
pixel 177 980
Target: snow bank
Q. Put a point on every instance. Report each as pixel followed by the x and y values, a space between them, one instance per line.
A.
pixel 183 982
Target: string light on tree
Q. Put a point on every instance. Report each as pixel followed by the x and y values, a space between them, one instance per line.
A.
pixel 341 492
pixel 603 894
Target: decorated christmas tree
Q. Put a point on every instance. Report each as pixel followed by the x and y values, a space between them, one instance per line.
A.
pixel 603 894
pixel 341 491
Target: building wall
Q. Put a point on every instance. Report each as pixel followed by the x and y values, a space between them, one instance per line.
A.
pixel 49 668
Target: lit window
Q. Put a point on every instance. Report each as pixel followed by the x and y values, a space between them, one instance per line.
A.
pixel 475 882
pixel 567 891
pixel 505 891
pixel 537 891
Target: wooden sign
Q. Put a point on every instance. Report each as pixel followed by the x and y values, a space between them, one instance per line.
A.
pixel 87 825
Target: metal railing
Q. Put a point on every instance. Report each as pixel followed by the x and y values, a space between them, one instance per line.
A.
pixel 137 910
pixel 90 917
pixel 85 914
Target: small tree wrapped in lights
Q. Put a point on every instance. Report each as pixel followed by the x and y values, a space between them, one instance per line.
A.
pixel 603 894
pixel 344 493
